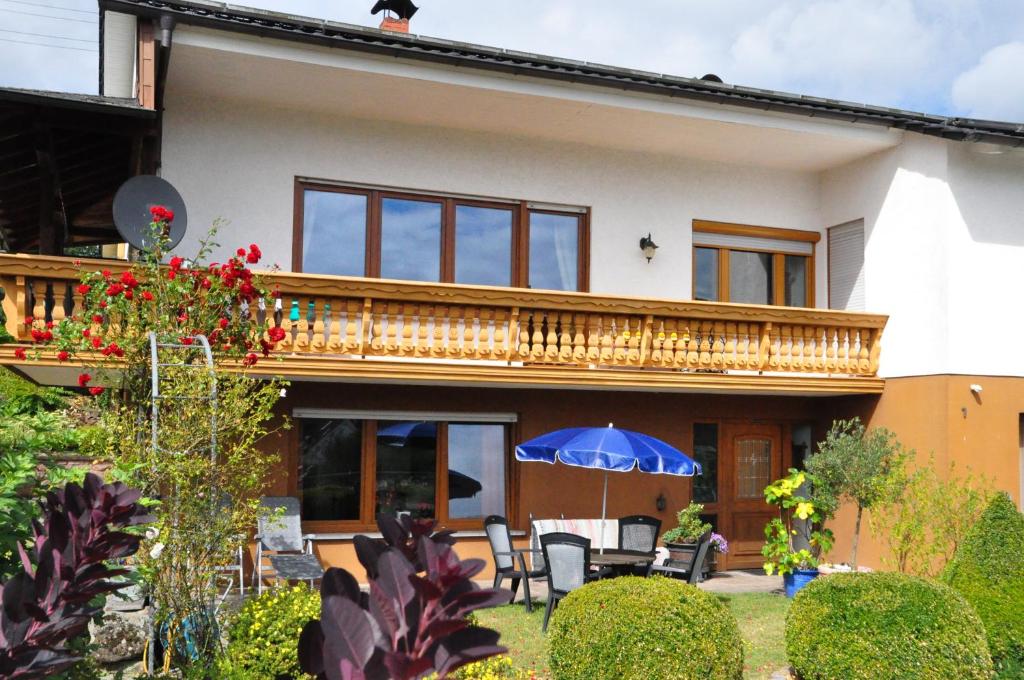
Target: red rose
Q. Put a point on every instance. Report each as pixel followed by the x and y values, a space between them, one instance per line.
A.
pixel 224 322
pixel 97 342
pixel 276 294
pixel 176 262
pixel 29 320
pixel 240 252
pixel 128 280
pixel 97 318
pixel 47 336
pixel 83 289
pixel 246 290
pixel 19 353
pixel 37 335
pixel 205 283
pixel 95 391
pixel 276 334
pixel 171 275
pixel 86 332
pixel 114 289
pixel 161 214
pixel 128 294
pixel 186 340
pixel 183 317
pixel 83 379
pixel 250 359
pixel 103 304
pixel 147 296
pixel 106 273
pixel 62 356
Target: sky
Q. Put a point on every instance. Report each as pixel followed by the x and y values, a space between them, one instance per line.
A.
pixel 950 57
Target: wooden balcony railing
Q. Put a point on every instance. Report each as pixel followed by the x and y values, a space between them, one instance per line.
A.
pixel 352 319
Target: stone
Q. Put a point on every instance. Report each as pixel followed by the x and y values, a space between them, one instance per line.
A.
pixel 120 637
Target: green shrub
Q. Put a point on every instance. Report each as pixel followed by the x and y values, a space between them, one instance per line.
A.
pixel 644 628
pixel 884 625
pixel 988 569
pixel 263 637
pixel 491 668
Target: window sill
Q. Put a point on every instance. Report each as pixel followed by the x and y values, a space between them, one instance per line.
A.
pixel 349 535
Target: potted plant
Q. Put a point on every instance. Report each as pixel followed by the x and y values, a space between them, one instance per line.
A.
pixel 718 545
pixel 682 540
pixel 796 539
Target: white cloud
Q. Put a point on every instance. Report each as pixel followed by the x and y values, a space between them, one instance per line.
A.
pixel 994 88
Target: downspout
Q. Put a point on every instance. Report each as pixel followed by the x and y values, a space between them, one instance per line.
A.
pixel 165 31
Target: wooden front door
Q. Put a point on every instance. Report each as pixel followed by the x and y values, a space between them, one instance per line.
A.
pixel 750 459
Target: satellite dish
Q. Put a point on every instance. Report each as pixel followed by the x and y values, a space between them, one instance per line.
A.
pixel 131 210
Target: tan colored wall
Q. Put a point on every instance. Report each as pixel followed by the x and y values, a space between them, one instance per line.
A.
pixel 939 415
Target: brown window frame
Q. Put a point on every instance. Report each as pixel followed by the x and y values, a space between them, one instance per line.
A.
pixel 778 256
pixel 520 246
pixel 368 480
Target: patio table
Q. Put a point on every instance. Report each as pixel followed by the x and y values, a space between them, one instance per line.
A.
pixel 621 561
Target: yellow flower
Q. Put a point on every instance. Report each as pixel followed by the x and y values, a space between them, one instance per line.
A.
pixel 804 510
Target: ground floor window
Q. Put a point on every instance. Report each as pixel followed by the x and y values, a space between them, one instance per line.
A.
pixel 350 470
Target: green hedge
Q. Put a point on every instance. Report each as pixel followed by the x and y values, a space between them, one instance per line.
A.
pixel 644 629
pixel 884 625
pixel 988 569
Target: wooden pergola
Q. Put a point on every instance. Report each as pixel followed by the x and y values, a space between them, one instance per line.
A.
pixel 62 158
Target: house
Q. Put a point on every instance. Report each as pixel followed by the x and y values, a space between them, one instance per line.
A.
pixel 459 231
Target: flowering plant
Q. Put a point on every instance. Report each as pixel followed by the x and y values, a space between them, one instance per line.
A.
pixel 719 544
pixel 783 534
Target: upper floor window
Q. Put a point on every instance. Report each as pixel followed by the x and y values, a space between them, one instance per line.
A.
pixel 753 265
pixel 354 231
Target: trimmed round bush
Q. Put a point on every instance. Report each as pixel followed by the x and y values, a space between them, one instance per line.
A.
pixel 263 637
pixel 644 629
pixel 883 625
pixel 988 570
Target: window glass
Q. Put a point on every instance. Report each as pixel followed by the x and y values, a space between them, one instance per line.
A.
pixel 330 470
pixel 406 467
pixel 410 246
pixel 705 452
pixel 796 281
pixel 706 274
pixel 483 245
pixel 554 251
pixel 753 467
pixel 750 277
pixel 476 470
pixel 334 233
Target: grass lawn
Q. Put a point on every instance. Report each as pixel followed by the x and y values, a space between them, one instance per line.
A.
pixel 761 618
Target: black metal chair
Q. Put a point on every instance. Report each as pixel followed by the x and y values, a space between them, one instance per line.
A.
pixel 639 533
pixel 690 572
pixel 509 562
pixel 567 557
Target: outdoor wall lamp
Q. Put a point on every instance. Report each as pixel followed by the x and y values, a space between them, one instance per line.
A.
pixel 661 502
pixel 648 245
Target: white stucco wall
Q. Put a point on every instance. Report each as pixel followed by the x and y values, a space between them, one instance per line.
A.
pixel 944 231
pixel 238 162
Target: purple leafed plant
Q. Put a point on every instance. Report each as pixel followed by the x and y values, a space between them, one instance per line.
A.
pixel 412 622
pixel 52 600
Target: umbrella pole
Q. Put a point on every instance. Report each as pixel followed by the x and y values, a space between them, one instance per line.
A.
pixel 604 508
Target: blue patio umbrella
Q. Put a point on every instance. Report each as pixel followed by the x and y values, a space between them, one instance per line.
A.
pixel 608 448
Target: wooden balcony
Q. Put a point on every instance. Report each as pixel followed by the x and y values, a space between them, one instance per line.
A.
pixel 355 329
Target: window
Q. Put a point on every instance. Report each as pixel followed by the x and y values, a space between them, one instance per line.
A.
pixel 753 467
pixel 350 470
pixel 705 452
pixel 354 231
pixel 753 265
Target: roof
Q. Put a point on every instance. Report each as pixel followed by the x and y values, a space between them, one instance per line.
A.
pixel 73 100
pixel 420 48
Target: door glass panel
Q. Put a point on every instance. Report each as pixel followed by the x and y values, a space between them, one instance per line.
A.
pixel 476 470
pixel 554 251
pixel 483 245
pixel 406 467
pixel 410 238
pixel 330 473
pixel 750 277
pixel 705 452
pixel 706 274
pixel 334 233
pixel 796 281
pixel 753 467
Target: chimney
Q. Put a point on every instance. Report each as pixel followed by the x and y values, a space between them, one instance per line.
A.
pixel 394 25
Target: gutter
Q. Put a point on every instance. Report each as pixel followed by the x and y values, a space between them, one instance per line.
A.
pixel 281 26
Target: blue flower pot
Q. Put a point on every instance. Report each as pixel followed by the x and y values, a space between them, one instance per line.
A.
pixel 797 580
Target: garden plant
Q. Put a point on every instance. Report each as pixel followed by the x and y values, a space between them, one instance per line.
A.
pixel 199 460
pixel 988 570
pixel 801 521
pixel 689 526
pixel 884 625
pixel 644 629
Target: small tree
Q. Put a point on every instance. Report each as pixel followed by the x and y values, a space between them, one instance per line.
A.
pixel 857 465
